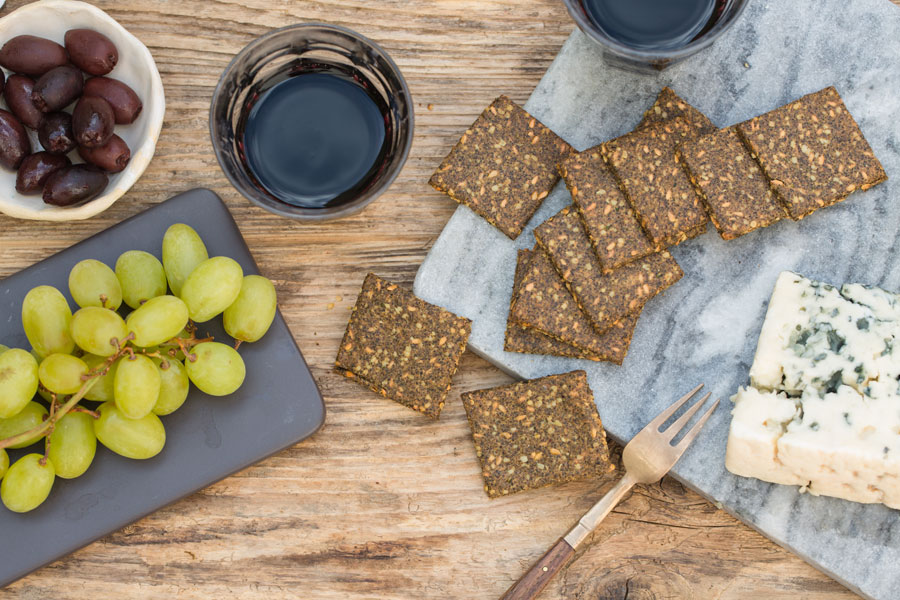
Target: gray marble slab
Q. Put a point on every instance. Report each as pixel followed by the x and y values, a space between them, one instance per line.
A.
pixel 705 328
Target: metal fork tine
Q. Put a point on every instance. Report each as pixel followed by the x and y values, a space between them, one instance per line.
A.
pixel 664 415
pixel 695 430
pixel 672 430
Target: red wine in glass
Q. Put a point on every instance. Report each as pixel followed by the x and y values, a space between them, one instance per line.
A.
pixel 654 24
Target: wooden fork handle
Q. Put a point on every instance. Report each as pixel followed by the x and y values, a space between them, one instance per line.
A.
pixel 536 579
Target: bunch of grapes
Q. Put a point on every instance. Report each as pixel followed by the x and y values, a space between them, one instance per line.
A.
pixel 137 368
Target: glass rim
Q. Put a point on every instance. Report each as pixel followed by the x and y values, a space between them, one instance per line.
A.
pixel 271 203
pixel 650 55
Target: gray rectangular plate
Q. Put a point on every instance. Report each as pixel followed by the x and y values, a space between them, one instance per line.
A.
pixel 705 327
pixel 206 440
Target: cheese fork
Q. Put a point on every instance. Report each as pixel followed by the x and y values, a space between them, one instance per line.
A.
pixel 646 458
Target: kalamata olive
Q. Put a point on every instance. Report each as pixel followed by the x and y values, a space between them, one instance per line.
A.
pixel 32 55
pixel 91 51
pixel 14 142
pixel 55 133
pixel 18 98
pixel 113 156
pixel 123 99
pixel 93 121
pixel 2 81
pixel 36 168
pixel 74 184
pixel 57 88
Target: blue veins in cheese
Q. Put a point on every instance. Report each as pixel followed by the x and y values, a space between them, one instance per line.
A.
pixel 823 407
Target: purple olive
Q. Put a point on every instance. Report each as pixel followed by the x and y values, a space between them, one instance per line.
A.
pixel 124 101
pixel 57 88
pixel 2 81
pixel 93 121
pixel 14 143
pixel 36 169
pixel 74 184
pixel 91 51
pixel 55 133
pixel 113 156
pixel 32 55
pixel 18 97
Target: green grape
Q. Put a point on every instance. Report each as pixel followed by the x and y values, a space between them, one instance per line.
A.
pixel 182 251
pixel 174 386
pixel 72 445
pixel 4 463
pixel 216 369
pixel 91 282
pixel 94 330
pixel 251 314
pixel 18 381
pixel 46 317
pixel 28 418
pixel 62 373
pixel 142 277
pixel 136 386
pixel 132 438
pixel 3 348
pixel 27 483
pixel 212 287
pixel 102 390
pixel 158 320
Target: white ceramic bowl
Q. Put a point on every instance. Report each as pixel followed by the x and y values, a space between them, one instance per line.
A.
pixel 51 19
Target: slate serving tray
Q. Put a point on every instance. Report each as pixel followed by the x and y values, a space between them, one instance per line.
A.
pixel 207 439
pixel 705 327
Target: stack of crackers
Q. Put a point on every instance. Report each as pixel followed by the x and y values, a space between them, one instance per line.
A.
pixel 579 292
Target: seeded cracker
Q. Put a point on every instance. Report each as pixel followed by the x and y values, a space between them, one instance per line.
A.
pixel 730 182
pixel 544 304
pixel 402 347
pixel 536 433
pixel 669 105
pixel 503 166
pixel 813 152
pixel 605 299
pixel 656 185
pixel 531 341
pixel 610 222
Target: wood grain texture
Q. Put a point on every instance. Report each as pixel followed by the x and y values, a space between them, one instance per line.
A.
pixel 382 503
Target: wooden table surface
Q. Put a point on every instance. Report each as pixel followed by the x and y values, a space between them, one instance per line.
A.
pixel 382 503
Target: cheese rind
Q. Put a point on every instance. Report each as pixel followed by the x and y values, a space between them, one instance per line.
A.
pixel 823 411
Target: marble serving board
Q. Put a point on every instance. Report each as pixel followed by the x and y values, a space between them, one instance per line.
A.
pixel 704 329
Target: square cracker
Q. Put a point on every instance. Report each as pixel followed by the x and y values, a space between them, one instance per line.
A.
pixel 544 304
pixel 730 182
pixel 610 222
pixel 503 166
pixel 656 186
pixel 536 433
pixel 605 298
pixel 813 152
pixel 669 105
pixel 402 347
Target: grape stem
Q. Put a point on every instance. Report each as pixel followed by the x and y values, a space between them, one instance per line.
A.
pixel 57 411
pixel 47 426
pixel 87 411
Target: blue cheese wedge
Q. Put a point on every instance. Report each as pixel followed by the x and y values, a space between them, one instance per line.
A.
pixel 823 407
